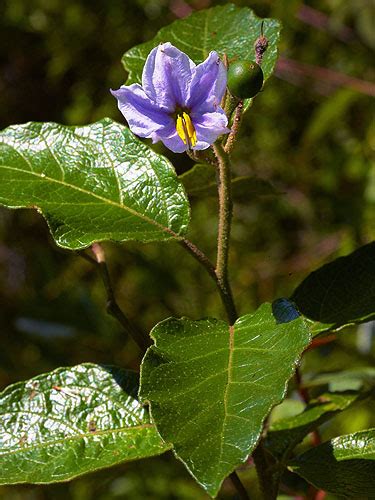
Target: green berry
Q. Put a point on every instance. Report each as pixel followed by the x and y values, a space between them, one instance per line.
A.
pixel 245 79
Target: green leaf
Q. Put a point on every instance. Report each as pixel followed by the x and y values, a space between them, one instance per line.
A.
pixel 284 435
pixel 201 181
pixel 91 183
pixel 341 292
pixel 227 29
pixel 72 421
pixel 210 386
pixel 343 466
pixel 352 379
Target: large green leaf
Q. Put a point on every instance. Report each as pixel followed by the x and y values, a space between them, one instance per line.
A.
pixel 285 434
pixel 92 183
pixel 343 466
pixel 71 421
pixel 341 292
pixel 227 29
pixel 210 386
pixel 201 181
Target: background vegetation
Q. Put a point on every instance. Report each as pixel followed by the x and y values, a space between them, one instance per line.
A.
pixel 311 133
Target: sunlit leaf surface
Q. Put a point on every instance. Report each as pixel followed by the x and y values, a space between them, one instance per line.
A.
pixel 71 421
pixel 211 386
pixel 227 29
pixel 91 183
pixel 344 466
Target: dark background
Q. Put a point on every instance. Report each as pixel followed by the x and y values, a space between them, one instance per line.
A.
pixel 311 133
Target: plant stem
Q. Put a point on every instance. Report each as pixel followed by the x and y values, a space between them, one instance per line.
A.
pixel 229 145
pixel 266 479
pixel 236 481
pixel 224 227
pixel 112 306
pixel 313 493
pixel 224 291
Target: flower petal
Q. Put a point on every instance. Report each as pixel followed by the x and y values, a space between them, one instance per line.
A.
pixel 208 83
pixel 174 143
pixel 167 76
pixel 144 116
pixel 209 127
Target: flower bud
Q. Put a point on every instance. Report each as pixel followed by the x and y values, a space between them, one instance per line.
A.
pixel 245 79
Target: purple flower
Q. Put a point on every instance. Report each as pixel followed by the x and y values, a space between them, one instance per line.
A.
pixel 178 102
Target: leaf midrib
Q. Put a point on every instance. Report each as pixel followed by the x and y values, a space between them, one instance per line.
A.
pixel 94 195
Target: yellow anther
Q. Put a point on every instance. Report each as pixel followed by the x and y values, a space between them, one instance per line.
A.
pixel 186 130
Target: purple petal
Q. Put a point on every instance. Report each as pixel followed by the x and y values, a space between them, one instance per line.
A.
pixel 144 116
pixel 169 137
pixel 174 143
pixel 209 127
pixel 167 76
pixel 208 83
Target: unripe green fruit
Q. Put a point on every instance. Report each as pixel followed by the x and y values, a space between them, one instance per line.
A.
pixel 245 79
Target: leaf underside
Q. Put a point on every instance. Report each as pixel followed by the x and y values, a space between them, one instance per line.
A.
pixel 72 421
pixel 227 29
pixel 91 183
pixel 210 386
pixel 341 292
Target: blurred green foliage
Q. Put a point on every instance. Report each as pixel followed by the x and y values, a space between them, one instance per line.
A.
pixel 313 138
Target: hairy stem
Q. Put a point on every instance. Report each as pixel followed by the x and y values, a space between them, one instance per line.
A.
pixel 224 291
pixel 112 307
pixel 224 227
pixel 229 145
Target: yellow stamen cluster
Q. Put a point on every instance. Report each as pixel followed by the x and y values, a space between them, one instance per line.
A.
pixel 186 130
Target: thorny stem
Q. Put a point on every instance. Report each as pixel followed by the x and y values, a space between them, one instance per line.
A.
pixel 112 306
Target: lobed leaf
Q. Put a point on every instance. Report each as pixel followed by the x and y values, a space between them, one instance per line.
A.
pixel 344 466
pixel 341 292
pixel 71 421
pixel 227 29
pixel 210 386
pixel 91 183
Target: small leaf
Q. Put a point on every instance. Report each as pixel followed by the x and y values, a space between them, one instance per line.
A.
pixel 201 181
pixel 91 183
pixel 284 435
pixel 341 292
pixel 353 379
pixel 211 386
pixel 227 29
pixel 344 466
pixel 72 421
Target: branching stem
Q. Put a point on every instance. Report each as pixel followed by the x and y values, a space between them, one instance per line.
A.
pixel 112 307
